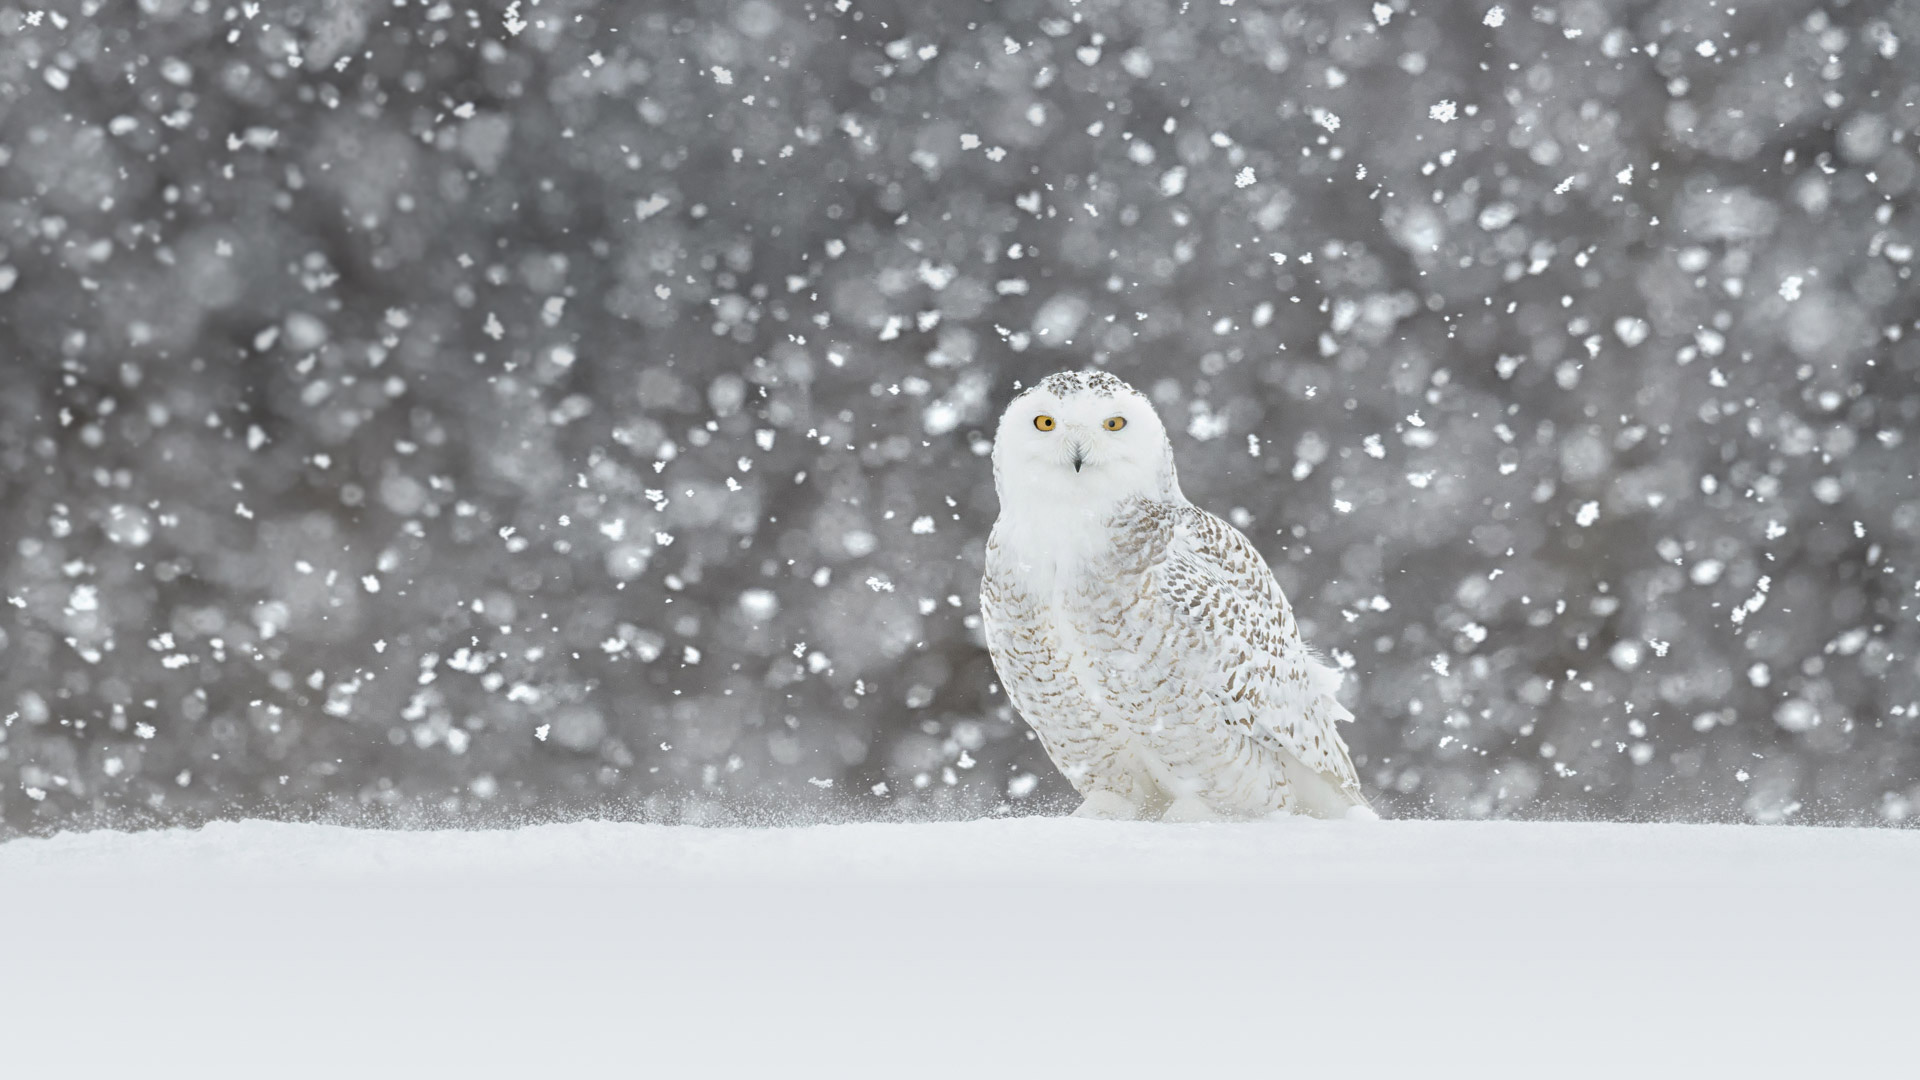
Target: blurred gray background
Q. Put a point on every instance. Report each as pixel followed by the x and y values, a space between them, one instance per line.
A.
pixel 441 413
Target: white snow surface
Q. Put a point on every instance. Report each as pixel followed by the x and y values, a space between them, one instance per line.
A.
pixel 1010 947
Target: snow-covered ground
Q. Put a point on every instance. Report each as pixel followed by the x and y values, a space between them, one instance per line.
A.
pixel 992 948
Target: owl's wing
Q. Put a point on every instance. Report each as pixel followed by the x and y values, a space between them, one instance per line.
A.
pixel 1251 658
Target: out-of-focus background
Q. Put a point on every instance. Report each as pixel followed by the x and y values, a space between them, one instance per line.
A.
pixel 425 412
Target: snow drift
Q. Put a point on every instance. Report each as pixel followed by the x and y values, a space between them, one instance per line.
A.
pixel 1002 947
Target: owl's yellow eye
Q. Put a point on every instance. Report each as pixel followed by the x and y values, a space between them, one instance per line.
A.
pixel 1115 423
pixel 1043 422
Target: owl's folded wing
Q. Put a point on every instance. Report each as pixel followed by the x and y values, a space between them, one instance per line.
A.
pixel 1251 657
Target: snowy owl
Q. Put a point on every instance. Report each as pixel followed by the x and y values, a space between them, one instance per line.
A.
pixel 1143 638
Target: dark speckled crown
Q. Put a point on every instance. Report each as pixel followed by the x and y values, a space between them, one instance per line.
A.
pixel 1061 384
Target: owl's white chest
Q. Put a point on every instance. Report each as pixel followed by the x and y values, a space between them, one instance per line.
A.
pixel 1080 592
pixel 1069 563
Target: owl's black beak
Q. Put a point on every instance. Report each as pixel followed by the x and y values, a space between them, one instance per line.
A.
pixel 1079 456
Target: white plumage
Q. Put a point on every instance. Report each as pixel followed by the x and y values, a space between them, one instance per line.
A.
pixel 1143 638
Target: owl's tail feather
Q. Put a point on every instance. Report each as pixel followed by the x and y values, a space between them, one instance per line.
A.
pixel 1324 679
pixel 1324 796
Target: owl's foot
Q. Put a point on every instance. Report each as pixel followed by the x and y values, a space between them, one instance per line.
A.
pixel 1189 808
pixel 1105 805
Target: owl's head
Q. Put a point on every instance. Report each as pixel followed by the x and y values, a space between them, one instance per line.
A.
pixel 1081 440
